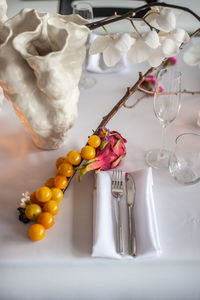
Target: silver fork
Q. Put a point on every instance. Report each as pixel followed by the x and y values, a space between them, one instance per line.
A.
pixel 117 192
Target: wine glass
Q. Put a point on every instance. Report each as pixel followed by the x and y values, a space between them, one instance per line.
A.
pixel 166 108
pixel 184 162
pixel 85 10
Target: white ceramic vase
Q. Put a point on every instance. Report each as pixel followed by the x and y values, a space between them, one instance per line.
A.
pixel 41 57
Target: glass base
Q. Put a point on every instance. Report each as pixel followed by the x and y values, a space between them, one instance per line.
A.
pixel 182 171
pixel 157 159
pixel 86 82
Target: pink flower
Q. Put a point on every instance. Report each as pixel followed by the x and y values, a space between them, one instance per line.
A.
pixel 149 82
pixel 107 158
pixel 171 61
pixel 151 78
pixel 160 88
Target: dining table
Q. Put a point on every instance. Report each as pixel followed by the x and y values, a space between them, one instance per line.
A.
pixel 61 266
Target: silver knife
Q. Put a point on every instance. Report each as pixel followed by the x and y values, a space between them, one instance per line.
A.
pixel 130 198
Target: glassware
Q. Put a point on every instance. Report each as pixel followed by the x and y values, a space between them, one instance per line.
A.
pixel 198 119
pixel 85 10
pixel 184 162
pixel 166 108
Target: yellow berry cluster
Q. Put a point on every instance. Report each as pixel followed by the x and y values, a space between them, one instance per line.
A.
pixel 44 201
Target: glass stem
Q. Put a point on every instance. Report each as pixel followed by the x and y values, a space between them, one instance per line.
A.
pixel 162 145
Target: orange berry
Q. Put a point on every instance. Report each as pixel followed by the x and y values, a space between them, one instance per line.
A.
pixel 36 232
pixel 88 152
pixel 32 211
pixel 34 200
pixel 94 141
pixel 43 194
pixel 32 197
pixel 60 160
pixel 74 157
pixel 66 169
pixel 46 219
pixel 51 207
pixel 60 182
pixel 49 182
pixel 57 194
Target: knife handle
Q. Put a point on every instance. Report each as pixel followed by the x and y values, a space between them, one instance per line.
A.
pixel 132 240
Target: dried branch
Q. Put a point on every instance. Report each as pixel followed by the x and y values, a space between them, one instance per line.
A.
pixel 147 23
pixel 151 93
pixel 195 33
pixel 136 102
pixel 134 11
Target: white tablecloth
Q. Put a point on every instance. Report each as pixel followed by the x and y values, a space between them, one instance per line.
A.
pixel 60 266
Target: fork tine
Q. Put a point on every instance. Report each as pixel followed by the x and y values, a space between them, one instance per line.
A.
pixel 113 178
pixel 116 178
pixel 121 182
pixel 119 179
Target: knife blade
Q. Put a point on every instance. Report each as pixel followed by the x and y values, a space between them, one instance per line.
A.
pixel 130 198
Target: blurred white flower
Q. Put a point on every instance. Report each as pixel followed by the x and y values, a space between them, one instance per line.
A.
pixel 143 47
pixel 169 46
pixel 25 198
pixel 1 97
pixel 113 47
pixel 3 10
pixel 150 46
pixel 163 19
pixel 192 55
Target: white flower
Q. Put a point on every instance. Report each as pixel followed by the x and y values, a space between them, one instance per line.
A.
pixel 3 10
pixel 163 19
pixel 113 47
pixel 24 199
pixel 144 47
pixel 169 46
pixel 1 97
pixel 192 55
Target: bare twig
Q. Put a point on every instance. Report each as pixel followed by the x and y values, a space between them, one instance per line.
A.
pixel 147 23
pixel 151 93
pixel 132 12
pixel 136 102
pixel 135 28
pixel 195 33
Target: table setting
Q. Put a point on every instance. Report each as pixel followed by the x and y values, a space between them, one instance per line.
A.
pixel 104 226
pixel 81 191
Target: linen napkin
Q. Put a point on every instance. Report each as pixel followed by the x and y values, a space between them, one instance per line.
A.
pixel 105 220
pixel 95 63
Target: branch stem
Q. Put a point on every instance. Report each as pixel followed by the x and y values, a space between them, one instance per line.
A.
pixel 123 100
pixel 134 11
pixel 151 93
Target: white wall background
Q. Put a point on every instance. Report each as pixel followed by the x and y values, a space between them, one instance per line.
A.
pixel 14 6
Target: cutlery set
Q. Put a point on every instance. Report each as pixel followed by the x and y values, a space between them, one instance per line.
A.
pixel 118 189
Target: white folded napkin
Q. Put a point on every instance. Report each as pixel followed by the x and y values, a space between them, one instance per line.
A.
pixel 95 63
pixel 105 220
